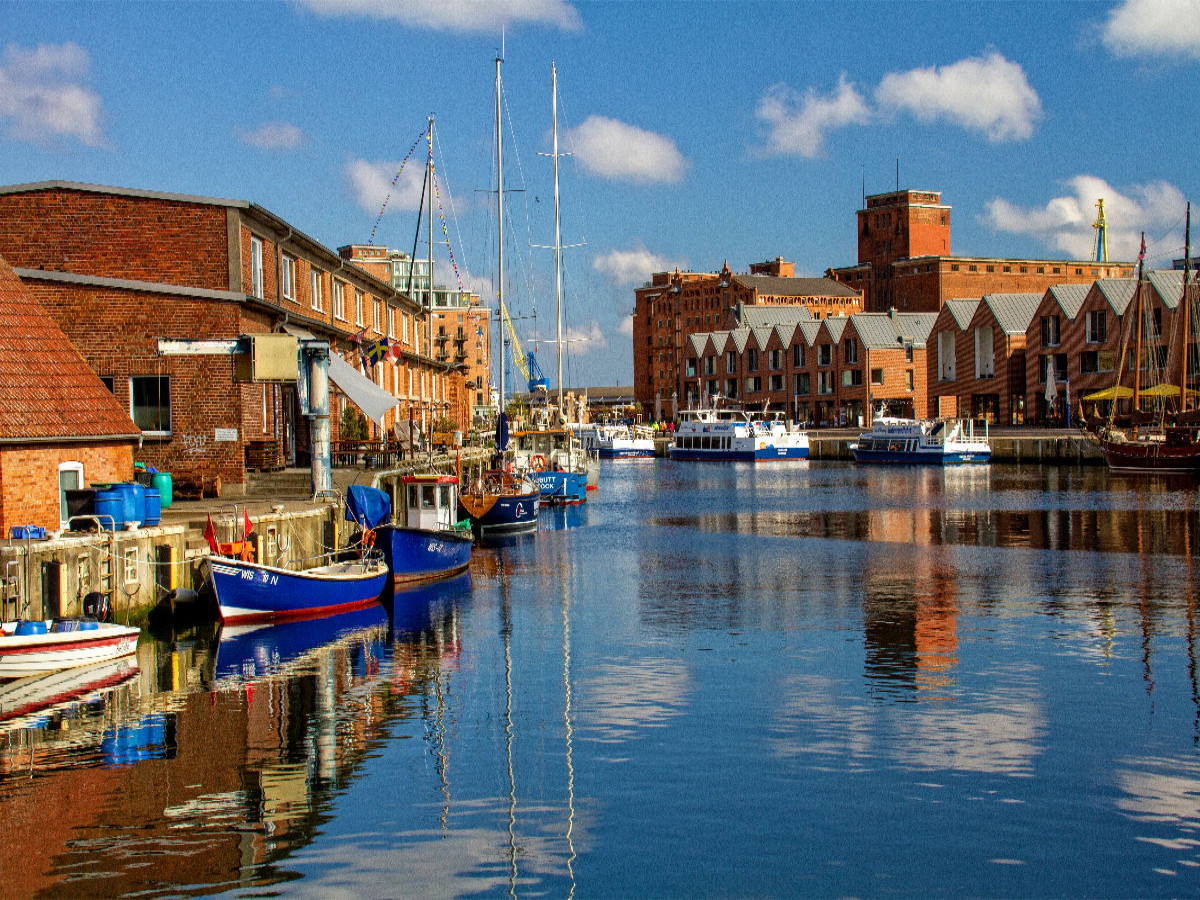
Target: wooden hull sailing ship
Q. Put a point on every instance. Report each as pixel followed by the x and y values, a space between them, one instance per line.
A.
pixel 1159 431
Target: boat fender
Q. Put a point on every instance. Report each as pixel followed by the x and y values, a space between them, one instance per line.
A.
pixel 368 540
pixel 538 462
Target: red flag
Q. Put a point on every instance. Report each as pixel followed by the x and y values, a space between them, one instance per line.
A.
pixel 210 535
pixel 246 531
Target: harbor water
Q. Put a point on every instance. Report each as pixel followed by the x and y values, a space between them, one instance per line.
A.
pixel 710 680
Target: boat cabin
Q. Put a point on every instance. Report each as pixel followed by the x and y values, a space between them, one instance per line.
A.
pixel 429 501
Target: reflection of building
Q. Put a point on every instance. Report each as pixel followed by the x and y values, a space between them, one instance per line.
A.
pixel 461 336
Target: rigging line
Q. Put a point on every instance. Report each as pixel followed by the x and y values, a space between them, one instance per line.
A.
pixel 395 178
pixel 453 209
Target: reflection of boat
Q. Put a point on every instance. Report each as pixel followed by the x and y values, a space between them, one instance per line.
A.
pixel 425 541
pixel 29 647
pixel 1166 437
pixel 723 433
pixel 616 441
pixel 895 440
pixel 251 592
pixel 36 694
pixel 253 651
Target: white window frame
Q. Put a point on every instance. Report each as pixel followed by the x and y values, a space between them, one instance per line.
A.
pixel 129 565
pixel 317 290
pixel 358 307
pixel 77 468
pixel 287 270
pixel 256 266
pixel 339 300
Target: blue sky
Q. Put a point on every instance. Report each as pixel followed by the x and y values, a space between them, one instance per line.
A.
pixel 701 131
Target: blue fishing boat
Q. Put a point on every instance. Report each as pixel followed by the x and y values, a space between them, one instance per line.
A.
pixel 251 592
pixel 426 540
pixel 500 503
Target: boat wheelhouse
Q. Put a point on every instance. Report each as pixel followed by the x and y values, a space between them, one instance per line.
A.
pixel 733 434
pixel 896 440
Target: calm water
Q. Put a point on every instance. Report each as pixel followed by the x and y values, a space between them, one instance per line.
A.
pixel 712 680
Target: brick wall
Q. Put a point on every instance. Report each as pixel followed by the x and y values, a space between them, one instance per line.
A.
pixel 114 236
pixel 29 478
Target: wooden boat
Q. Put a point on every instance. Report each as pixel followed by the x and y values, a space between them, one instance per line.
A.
pixel 896 440
pixel 32 647
pixel 727 433
pixel 1159 433
pixel 500 503
pixel 251 592
pixel 426 539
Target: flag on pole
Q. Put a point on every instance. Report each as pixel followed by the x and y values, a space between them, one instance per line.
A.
pixel 210 535
pixel 248 527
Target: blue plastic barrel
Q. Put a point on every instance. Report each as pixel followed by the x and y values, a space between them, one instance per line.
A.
pixel 161 482
pixel 110 503
pixel 153 507
pixel 30 627
pixel 133 501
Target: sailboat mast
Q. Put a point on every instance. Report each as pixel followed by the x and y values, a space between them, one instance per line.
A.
pixel 429 294
pixel 1184 308
pixel 557 239
pixel 500 233
pixel 1137 347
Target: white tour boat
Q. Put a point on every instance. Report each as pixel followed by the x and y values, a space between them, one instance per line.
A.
pixel 941 442
pixel 725 433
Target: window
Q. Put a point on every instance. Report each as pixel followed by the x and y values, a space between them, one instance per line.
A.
pixel 339 300
pixel 797 355
pixel 825 354
pixel 150 397
pixel 1050 331
pixel 753 384
pixel 851 377
pixel 877 376
pixel 985 356
pixel 376 316
pixel 1095 361
pixel 731 387
pixel 751 359
pixel 824 382
pixel 908 351
pixel 690 368
pixel 129 561
pixel 850 351
pixel 730 363
pixel 710 365
pixel 908 379
pixel 775 359
pixel 256 266
pixel 358 307
pixel 317 290
pixel 70 478
pixel 391 321
pixel 1097 326
pixel 803 384
pixel 776 383
pixel 288 272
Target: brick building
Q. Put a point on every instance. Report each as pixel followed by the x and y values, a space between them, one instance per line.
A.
pixel 827 371
pixel 120 270
pixel 904 260
pixel 461 328
pixel 673 306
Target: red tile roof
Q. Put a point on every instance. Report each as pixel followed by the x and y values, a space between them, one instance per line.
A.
pixel 47 389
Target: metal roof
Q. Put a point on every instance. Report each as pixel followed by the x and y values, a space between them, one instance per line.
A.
pixel 1069 297
pixel 963 311
pixel 1013 312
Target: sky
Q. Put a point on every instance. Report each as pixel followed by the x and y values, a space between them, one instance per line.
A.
pixel 698 132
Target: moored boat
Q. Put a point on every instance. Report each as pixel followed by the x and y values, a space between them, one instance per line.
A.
pixel 426 540
pixel 29 647
pixel 556 462
pixel 500 503
pixel 609 441
pixel 251 592
pixel 725 433
pixel 895 440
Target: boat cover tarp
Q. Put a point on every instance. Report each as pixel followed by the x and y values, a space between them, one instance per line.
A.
pixel 373 400
pixel 368 506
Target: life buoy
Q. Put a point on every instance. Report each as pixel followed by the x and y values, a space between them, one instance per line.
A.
pixel 368 539
pixel 538 462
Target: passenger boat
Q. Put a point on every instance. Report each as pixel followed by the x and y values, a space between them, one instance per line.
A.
pixel 251 592
pixel 895 440
pixel 1159 431
pixel 29 647
pixel 724 433
pixel 609 441
pixel 426 540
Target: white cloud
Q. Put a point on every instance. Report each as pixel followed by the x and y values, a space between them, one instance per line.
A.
pixel 42 98
pixel 374 184
pixel 613 149
pixel 1154 28
pixel 625 329
pixel 988 94
pixel 797 125
pixel 272 136
pixel 487 16
pixel 1065 223
pixel 630 267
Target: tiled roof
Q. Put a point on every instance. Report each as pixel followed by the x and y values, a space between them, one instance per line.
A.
pixel 47 390
pixel 809 330
pixel 1013 312
pixel 755 316
pixel 795 287
pixel 762 335
pixel 1118 292
pixel 1070 297
pixel 915 327
pixel 875 330
pixel 836 325
pixel 698 341
pixel 1168 283
pixel 740 336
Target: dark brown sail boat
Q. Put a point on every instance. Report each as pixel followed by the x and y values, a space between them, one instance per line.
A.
pixel 1160 433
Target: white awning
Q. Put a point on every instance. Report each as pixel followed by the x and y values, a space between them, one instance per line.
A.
pixel 373 400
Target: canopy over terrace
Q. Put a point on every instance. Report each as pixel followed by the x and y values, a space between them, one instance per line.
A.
pixel 373 400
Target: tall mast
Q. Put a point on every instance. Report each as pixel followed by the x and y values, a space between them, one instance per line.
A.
pixel 429 293
pixel 557 240
pixel 1183 302
pixel 500 232
pixel 1139 324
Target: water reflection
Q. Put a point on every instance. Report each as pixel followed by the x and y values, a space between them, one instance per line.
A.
pixel 213 778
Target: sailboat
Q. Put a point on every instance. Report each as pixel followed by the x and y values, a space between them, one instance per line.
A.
pixel 1166 437
pixel 550 450
pixel 500 500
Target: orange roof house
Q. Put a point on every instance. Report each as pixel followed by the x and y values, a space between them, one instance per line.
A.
pixel 60 427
